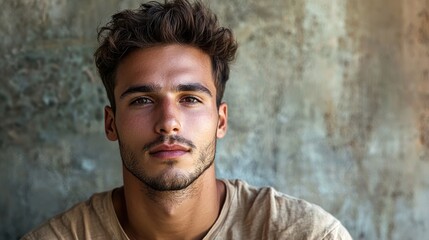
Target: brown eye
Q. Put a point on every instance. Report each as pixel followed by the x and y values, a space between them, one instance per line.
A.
pixel 190 99
pixel 141 101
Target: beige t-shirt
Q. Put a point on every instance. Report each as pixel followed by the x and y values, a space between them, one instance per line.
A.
pixel 248 213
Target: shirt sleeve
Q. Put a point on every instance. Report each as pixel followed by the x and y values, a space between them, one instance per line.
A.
pixel 338 233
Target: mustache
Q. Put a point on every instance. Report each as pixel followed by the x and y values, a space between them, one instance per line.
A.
pixel 170 139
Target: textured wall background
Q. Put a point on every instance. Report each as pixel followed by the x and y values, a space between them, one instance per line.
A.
pixel 329 101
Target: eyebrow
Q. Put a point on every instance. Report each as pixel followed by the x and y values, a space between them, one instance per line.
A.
pixel 141 89
pixel 190 87
pixel 193 87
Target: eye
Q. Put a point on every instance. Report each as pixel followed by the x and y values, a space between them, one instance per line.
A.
pixel 190 100
pixel 141 101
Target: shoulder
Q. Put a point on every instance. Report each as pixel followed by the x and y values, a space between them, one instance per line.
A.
pixel 281 215
pixel 79 222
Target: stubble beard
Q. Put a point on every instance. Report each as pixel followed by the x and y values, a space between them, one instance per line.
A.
pixel 169 180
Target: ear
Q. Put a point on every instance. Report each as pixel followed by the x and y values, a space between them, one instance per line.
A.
pixel 222 123
pixel 109 124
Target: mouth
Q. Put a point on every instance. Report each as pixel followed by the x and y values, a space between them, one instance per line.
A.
pixel 167 151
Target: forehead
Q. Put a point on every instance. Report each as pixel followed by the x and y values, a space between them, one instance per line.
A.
pixel 165 65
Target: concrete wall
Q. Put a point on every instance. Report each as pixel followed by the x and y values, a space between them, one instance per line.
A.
pixel 329 101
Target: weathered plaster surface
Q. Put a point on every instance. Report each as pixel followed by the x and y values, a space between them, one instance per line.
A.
pixel 328 100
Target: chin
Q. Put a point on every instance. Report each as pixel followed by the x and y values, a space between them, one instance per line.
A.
pixel 171 181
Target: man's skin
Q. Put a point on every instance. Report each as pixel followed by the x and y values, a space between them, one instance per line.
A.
pixel 170 188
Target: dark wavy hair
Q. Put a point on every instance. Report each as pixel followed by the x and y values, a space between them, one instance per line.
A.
pixel 155 24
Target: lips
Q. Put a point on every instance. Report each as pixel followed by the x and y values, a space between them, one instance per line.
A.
pixel 168 151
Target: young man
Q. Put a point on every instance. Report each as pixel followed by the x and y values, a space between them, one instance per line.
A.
pixel 164 67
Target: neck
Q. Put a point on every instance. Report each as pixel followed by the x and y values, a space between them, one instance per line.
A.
pixel 145 213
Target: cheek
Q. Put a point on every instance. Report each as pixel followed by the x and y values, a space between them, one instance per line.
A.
pixel 132 125
pixel 202 124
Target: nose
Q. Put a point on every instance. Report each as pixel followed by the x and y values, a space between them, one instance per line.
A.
pixel 168 119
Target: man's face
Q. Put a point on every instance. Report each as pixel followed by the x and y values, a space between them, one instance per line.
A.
pixel 166 119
